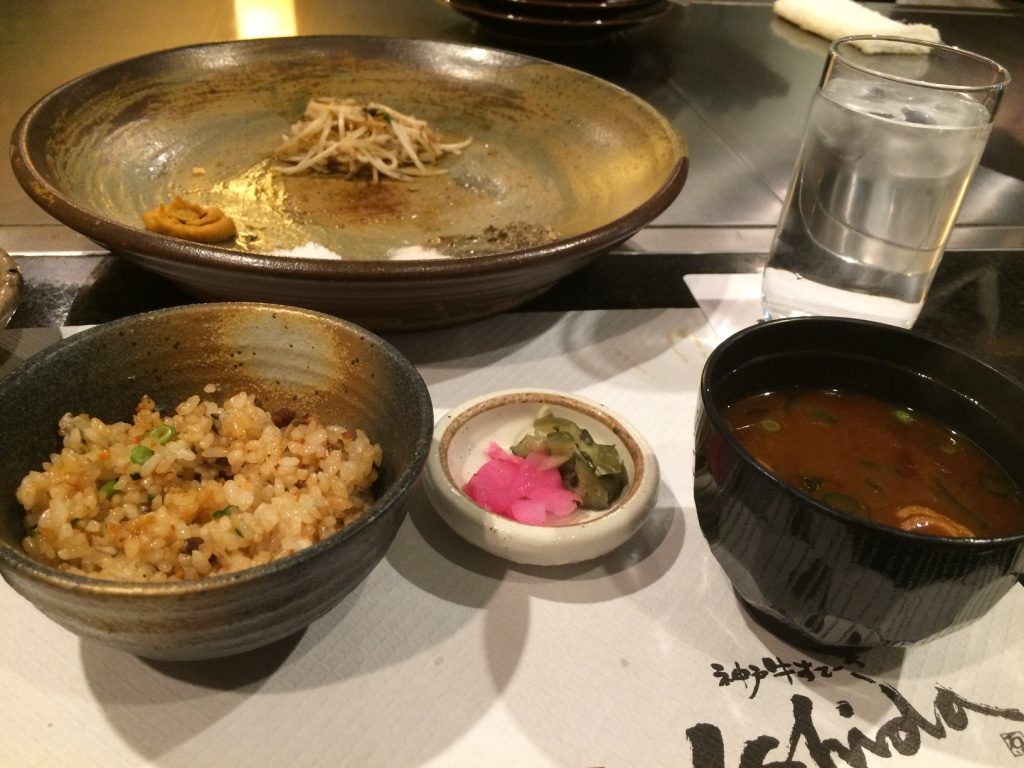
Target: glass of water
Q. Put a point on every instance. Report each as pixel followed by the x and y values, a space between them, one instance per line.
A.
pixel 891 143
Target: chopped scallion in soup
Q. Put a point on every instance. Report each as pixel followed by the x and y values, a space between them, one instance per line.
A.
pixel 889 464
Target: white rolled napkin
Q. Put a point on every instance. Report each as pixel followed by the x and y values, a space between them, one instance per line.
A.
pixel 833 19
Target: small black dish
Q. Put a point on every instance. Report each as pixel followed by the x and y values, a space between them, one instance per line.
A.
pixel 545 25
pixel 832 580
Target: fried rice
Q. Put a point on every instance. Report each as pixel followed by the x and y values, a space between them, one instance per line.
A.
pixel 208 490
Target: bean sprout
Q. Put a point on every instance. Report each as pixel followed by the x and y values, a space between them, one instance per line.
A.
pixel 345 136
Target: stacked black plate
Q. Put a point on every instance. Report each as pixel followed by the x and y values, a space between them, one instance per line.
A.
pixel 558 21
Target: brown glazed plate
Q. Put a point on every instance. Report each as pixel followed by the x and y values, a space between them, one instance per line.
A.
pixel 563 166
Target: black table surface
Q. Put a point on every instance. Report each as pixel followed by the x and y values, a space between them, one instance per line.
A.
pixel 976 302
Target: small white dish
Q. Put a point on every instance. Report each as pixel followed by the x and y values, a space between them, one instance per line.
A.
pixel 458 450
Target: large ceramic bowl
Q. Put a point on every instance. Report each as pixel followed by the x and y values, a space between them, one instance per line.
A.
pixel 818 575
pixel 289 358
pixel 562 167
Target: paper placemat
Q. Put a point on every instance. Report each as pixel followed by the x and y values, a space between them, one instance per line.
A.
pixel 446 656
pixel 731 302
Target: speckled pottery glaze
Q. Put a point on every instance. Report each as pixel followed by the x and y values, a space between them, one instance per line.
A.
pixel 289 358
pixel 562 167
pixel 816 575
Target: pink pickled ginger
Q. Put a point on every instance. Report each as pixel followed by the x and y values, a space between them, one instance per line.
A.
pixel 527 490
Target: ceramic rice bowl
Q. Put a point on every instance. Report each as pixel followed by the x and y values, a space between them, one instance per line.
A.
pixel 288 358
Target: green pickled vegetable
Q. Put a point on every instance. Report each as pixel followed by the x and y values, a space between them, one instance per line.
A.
pixel 592 470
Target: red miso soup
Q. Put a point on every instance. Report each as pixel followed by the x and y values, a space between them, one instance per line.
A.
pixel 882 462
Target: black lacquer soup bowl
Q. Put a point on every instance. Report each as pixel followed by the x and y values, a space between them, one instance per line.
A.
pixel 816 575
